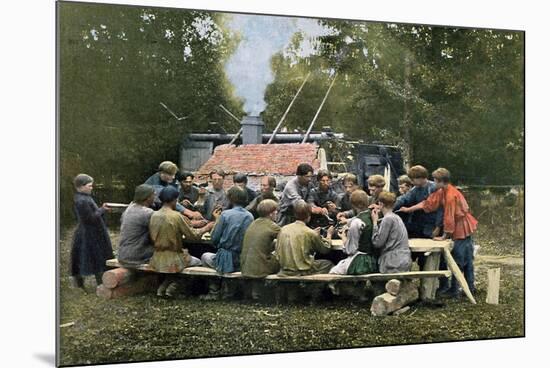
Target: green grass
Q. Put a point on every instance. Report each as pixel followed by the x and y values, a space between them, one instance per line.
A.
pixel 145 327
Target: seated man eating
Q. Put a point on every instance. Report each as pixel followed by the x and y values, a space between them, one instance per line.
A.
pixel 227 237
pixel 228 234
pixel 134 246
pixel 167 229
pixel 297 244
pixel 358 245
pixel 257 259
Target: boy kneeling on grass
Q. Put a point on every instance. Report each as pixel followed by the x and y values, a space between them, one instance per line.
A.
pixel 458 224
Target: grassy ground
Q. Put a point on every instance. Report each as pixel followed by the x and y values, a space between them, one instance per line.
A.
pixel 146 328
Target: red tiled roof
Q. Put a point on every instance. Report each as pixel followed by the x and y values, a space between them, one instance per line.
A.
pixel 261 159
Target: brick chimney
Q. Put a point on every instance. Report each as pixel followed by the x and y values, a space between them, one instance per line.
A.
pixel 252 130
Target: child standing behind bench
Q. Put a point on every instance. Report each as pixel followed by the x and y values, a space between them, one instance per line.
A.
pixel 458 223
pixel 91 246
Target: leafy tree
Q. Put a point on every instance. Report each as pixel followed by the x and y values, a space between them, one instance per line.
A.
pixel 117 64
pixel 449 96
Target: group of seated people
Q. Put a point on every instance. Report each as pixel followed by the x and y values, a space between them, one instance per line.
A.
pixel 264 233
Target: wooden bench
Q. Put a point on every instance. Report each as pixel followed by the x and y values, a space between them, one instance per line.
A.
pixel 431 249
pixel 283 287
pixel 209 272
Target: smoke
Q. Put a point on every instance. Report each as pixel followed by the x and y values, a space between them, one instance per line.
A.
pixel 249 68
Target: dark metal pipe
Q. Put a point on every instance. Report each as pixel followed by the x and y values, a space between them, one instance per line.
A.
pixel 279 138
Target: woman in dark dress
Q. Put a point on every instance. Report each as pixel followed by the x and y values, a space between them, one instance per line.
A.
pixel 91 243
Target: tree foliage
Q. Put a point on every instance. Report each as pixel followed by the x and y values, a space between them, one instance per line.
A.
pixel 449 96
pixel 117 64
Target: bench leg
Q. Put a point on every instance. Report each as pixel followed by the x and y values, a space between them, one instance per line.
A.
pixel 230 289
pixel 315 291
pixel 256 290
pixel 294 293
pixel 428 286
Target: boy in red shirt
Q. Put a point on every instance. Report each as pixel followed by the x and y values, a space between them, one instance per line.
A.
pixel 458 223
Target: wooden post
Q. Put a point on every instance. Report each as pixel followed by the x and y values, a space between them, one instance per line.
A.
pixel 493 285
pixel 428 286
pixel 458 274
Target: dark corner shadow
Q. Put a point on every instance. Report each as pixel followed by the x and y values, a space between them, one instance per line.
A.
pixel 46 358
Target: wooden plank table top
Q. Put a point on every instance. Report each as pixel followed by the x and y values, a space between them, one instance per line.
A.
pixel 415 244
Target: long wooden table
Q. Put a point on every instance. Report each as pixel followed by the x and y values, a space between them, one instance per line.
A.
pixel 432 249
pixel 428 276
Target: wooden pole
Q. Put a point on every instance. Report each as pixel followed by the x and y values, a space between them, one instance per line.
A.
pixel 287 110
pixel 428 286
pixel 493 285
pixel 178 118
pixel 236 136
pixel 458 274
pixel 229 113
pixel 319 110
pixel 407 115
pixel 236 119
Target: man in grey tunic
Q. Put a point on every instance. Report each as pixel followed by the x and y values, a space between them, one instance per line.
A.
pixel 216 198
pixel 297 188
pixel 390 236
pixel 135 245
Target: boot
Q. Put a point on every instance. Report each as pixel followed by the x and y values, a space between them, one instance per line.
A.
pixel 172 289
pixel 161 291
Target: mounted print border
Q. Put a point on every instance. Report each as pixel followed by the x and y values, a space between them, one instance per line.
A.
pixel 237 184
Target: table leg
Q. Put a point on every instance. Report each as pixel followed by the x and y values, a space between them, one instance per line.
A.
pixel 458 274
pixel 428 286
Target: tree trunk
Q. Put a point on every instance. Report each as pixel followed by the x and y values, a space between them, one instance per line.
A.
pixel 116 277
pixel 406 125
pixel 144 283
